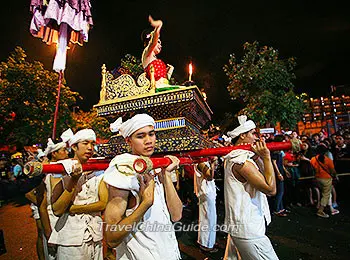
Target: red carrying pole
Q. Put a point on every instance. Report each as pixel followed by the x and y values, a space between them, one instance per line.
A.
pixel 140 165
pixel 60 77
pixel 29 168
pixel 221 151
pixel 100 166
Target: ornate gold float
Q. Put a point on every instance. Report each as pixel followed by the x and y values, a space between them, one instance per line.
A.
pixel 179 113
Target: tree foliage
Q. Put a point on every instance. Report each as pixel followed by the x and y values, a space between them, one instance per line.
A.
pixel 264 83
pixel 90 120
pixel 27 101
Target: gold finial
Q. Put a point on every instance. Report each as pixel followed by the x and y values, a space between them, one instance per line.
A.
pixel 103 84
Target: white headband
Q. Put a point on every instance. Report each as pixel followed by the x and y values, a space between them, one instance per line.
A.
pixel 83 135
pixel 127 128
pixel 226 138
pixel 52 147
pixel 244 126
pixel 40 154
pixel 66 135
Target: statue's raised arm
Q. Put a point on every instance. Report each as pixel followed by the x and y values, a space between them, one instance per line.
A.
pixel 156 70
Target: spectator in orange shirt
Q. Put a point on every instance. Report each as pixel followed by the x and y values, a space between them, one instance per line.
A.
pixel 324 172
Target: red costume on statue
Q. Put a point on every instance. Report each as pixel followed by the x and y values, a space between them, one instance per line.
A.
pixel 160 69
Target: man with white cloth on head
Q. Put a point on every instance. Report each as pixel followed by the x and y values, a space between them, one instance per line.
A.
pixel 79 199
pixel 42 211
pixel 54 152
pixel 249 177
pixel 141 207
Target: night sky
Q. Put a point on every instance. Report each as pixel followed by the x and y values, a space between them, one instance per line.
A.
pixel 206 32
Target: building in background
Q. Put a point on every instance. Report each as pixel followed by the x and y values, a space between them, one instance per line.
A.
pixel 328 113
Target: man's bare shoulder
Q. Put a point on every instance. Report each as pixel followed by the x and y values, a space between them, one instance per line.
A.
pixel 117 193
pixel 243 166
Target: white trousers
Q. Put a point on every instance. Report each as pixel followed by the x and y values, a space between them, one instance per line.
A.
pixel 49 253
pixel 87 251
pixel 249 249
pixel 207 221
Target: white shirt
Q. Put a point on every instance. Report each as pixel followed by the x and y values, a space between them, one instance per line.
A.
pixel 81 227
pixel 144 243
pixel 246 208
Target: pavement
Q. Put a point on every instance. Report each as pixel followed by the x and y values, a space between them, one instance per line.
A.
pixel 301 235
pixel 19 230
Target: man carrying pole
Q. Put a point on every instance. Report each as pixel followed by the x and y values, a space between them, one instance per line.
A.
pixel 79 200
pixel 55 152
pixel 141 207
pixel 41 206
pixel 247 181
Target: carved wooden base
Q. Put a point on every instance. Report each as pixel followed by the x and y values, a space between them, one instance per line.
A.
pixel 183 136
pixel 187 102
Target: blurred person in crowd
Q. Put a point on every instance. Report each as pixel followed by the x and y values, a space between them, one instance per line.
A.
pixel 287 137
pixel 304 138
pixel 272 138
pixel 322 135
pixel 295 141
pixel 346 137
pixel 17 170
pixel 310 185
pixel 341 153
pixel 291 168
pixel 277 162
pixel 333 140
pixel 17 183
pixel 306 149
pixel 324 173
pixel 341 149
pixel 4 178
pixel 4 168
pixel 315 140
pixel 327 143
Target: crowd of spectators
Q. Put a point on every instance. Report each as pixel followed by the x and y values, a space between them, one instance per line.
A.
pixel 13 180
pixel 295 171
pixel 307 176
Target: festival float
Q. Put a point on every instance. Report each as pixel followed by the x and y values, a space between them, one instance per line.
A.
pixel 180 112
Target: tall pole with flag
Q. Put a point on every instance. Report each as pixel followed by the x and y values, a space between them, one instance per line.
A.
pixel 61 22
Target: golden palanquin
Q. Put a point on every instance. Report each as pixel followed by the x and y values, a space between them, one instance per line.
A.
pixel 179 113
